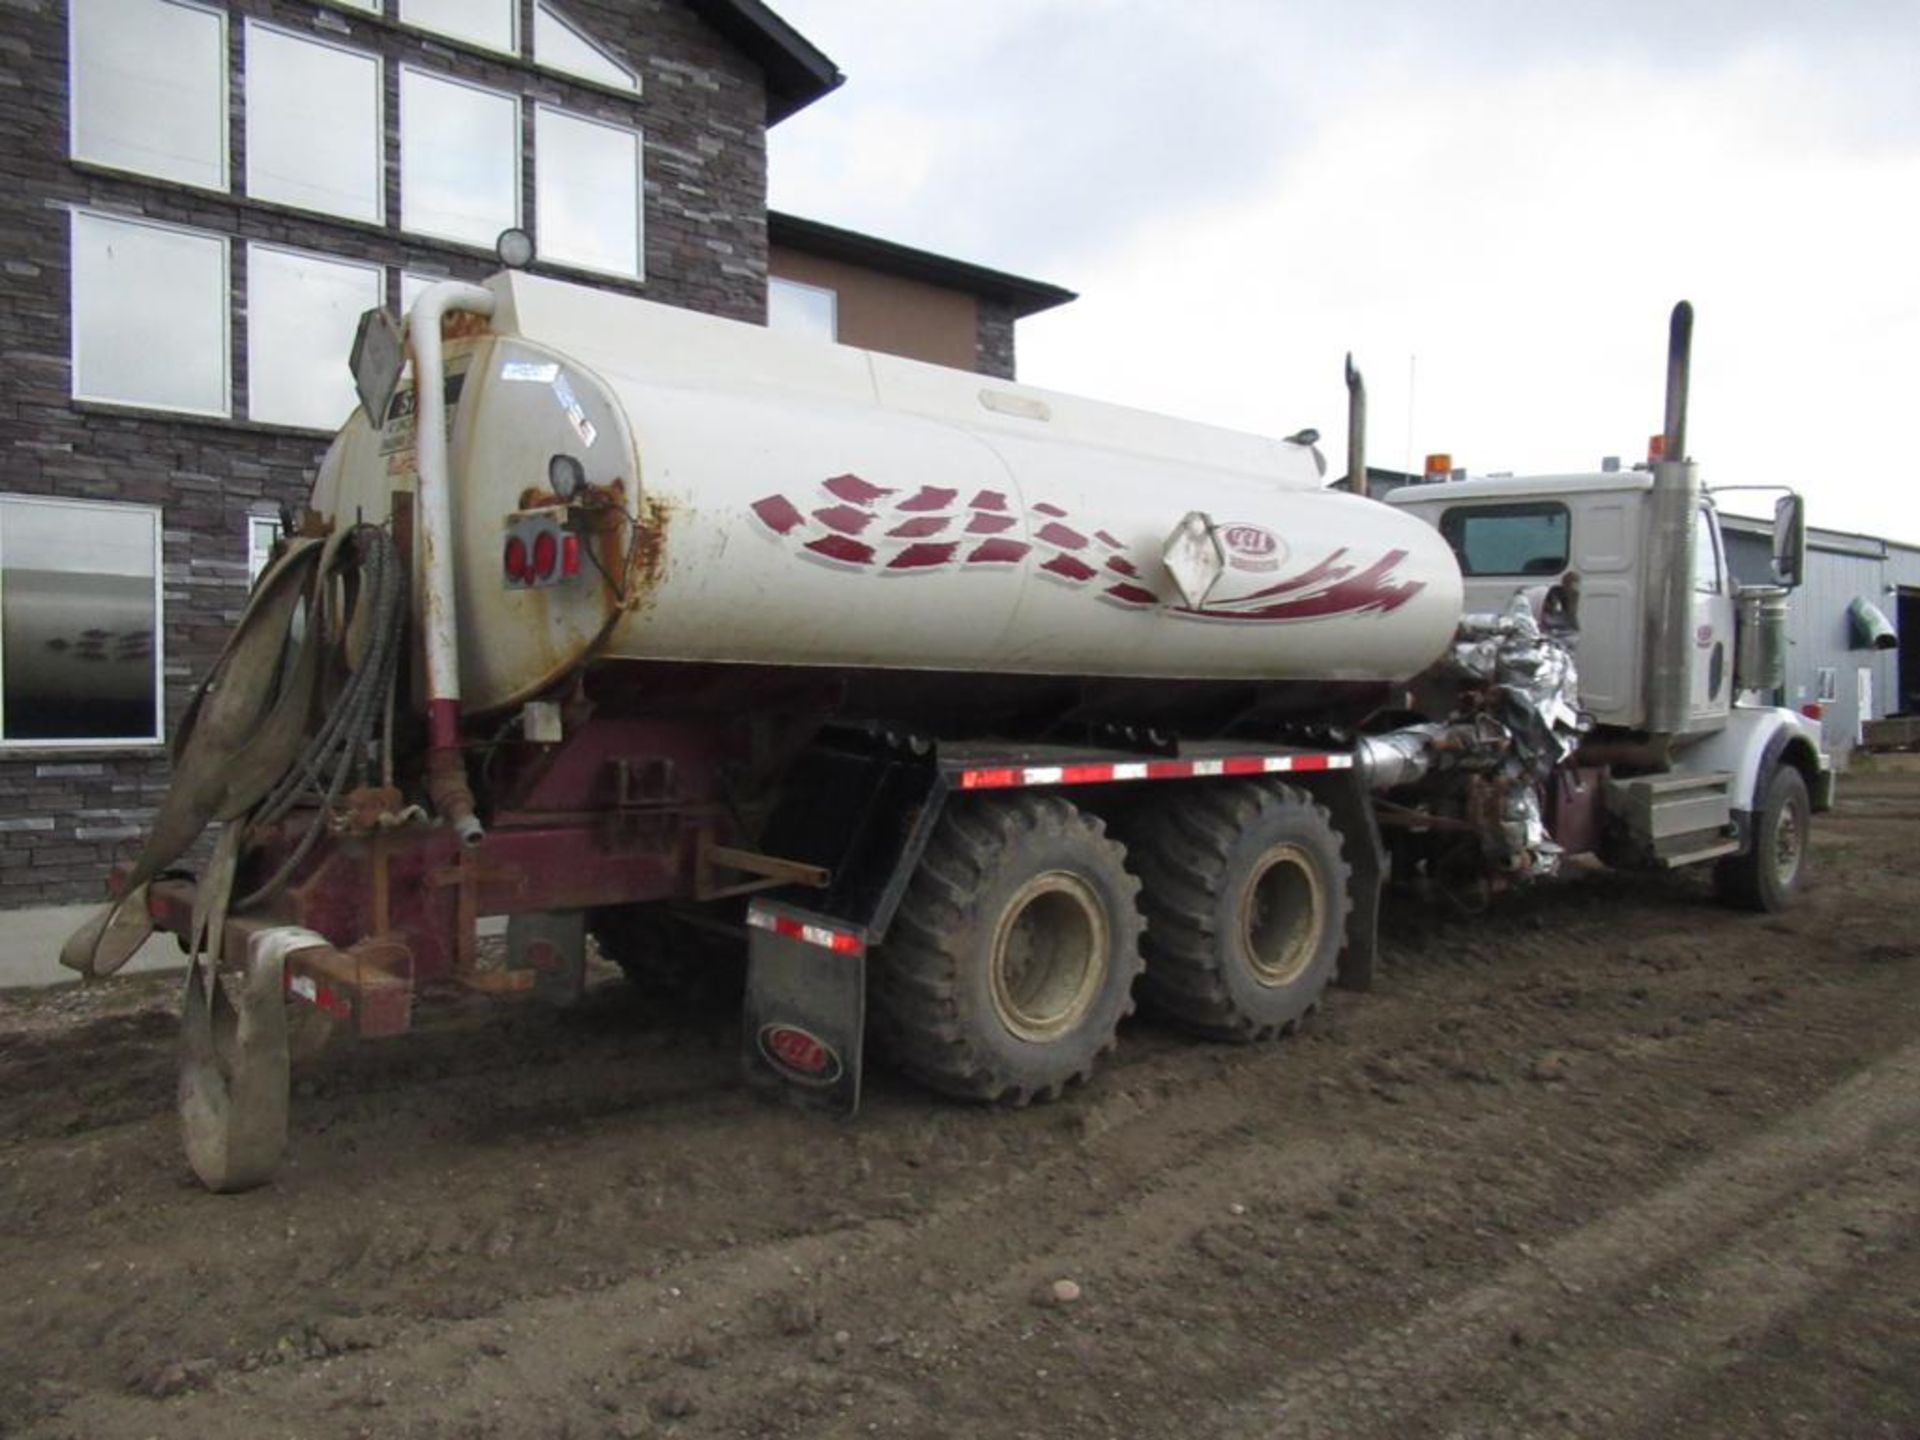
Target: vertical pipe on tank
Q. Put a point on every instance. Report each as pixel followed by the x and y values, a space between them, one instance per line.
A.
pixel 1356 429
pixel 1671 528
pixel 446 769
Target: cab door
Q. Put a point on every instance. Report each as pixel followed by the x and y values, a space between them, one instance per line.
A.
pixel 1712 680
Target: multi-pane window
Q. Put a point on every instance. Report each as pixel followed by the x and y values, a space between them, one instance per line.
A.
pixel 588 192
pixel 149 82
pixel 802 309
pixel 459 159
pixel 301 314
pixel 411 286
pixel 314 133
pixel 79 622
pixel 557 45
pixel 489 24
pixel 149 315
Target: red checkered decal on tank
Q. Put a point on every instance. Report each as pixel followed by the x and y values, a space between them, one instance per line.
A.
pixel 855 525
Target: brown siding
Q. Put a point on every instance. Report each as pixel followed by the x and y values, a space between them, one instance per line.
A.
pixel 889 314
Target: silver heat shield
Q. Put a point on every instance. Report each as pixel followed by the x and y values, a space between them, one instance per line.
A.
pixel 1519 720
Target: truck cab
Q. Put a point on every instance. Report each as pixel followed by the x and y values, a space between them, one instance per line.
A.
pixel 1590 533
pixel 1677 663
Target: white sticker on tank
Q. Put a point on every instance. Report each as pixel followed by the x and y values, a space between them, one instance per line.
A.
pixel 531 370
pixel 563 392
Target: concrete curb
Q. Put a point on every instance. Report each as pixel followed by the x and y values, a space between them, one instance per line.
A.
pixel 30 942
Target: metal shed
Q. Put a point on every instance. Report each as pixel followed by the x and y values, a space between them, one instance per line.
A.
pixel 1830 662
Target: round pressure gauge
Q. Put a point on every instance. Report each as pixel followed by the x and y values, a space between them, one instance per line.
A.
pixel 567 476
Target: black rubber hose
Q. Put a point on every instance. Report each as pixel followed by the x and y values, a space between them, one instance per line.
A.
pixel 338 752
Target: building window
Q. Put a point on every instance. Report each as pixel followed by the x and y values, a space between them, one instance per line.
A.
pixel 149 315
pixel 412 286
pixel 301 315
pixel 803 309
pixel 79 623
pixel 314 135
pixel 1826 684
pixel 459 159
pixel 587 179
pixel 1518 539
pixel 263 533
pixel 149 88
pixel 490 24
pixel 558 45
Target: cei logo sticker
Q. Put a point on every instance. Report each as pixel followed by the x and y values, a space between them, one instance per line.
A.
pixel 1251 547
pixel 800 1054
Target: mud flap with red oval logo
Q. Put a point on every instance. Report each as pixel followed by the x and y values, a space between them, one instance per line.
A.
pixel 806 1006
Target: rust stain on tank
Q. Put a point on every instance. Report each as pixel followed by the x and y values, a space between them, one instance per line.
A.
pixel 647 565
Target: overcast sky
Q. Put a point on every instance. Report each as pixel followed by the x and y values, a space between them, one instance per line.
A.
pixel 1493 203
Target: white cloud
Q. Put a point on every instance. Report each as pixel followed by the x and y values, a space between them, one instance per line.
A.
pixel 1245 192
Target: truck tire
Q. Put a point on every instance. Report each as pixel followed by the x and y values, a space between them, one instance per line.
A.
pixel 1011 961
pixel 668 956
pixel 1246 897
pixel 1765 877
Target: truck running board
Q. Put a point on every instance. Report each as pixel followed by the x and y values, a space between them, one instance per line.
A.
pixel 1694 857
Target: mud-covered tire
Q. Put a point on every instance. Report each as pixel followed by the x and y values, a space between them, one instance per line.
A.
pixel 1246 897
pixel 1011 961
pixel 668 956
pixel 1765 877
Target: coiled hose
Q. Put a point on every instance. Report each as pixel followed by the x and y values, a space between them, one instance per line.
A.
pixel 337 754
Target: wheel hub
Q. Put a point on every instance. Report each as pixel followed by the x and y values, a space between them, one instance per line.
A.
pixel 1786 845
pixel 1282 914
pixel 1050 955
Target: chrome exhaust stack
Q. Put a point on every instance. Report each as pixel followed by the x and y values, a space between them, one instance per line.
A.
pixel 1672 522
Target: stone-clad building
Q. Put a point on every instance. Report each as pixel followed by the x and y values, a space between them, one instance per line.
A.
pixel 201 198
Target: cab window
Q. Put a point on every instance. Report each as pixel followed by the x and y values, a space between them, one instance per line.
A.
pixel 1517 539
pixel 1706 554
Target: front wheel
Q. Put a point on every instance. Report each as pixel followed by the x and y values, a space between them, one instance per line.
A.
pixel 1012 959
pixel 1766 875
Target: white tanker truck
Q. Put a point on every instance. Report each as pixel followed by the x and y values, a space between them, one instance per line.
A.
pixel 978 710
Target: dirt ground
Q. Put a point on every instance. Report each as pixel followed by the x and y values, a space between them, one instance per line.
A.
pixel 1611 1162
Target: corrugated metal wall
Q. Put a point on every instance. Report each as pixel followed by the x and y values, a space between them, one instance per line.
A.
pixel 1839 568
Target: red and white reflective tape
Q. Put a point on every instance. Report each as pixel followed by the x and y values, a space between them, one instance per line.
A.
pixel 841 942
pixel 325 997
pixel 1020 777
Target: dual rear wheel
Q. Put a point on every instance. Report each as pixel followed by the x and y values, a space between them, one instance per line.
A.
pixel 1017 948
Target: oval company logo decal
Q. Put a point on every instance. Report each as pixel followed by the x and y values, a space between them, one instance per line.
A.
pixel 1251 547
pixel 800 1054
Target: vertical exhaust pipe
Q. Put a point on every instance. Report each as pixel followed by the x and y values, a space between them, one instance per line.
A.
pixel 1679 377
pixel 1356 429
pixel 1671 536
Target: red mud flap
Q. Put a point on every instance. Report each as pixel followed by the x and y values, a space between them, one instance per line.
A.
pixel 806 1006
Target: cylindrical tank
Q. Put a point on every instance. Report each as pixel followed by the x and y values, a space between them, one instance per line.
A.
pixel 791 503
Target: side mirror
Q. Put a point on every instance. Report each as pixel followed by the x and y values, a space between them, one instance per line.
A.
pixel 1789 539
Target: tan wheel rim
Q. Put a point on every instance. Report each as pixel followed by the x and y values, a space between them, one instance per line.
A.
pixel 1049 956
pixel 1786 845
pixel 1283 913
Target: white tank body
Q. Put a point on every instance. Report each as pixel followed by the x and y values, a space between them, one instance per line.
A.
pixel 799 503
